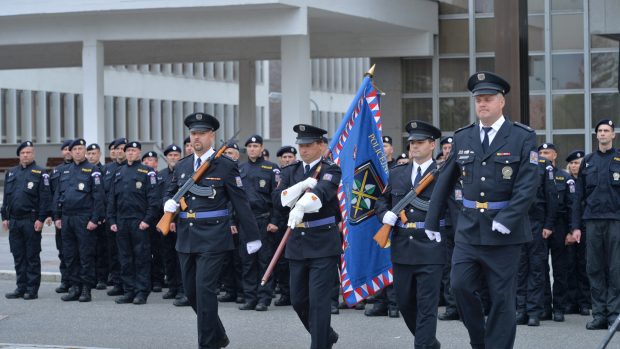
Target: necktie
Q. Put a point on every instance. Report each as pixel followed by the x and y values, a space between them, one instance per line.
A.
pixel 485 140
pixel 198 163
pixel 306 169
pixel 418 177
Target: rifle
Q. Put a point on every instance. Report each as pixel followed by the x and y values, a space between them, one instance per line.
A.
pixel 287 235
pixel 383 235
pixel 610 333
pixel 164 223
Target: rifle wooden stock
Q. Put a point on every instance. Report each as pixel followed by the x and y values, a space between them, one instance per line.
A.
pixel 164 223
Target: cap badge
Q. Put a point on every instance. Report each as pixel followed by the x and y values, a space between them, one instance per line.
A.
pixel 611 123
pixel 414 125
pixel 302 128
pixel 578 155
pixel 198 116
pixel 134 144
pixel 174 147
pixel 450 140
pixel 292 149
pixel 253 139
pixel 545 146
pixel 481 77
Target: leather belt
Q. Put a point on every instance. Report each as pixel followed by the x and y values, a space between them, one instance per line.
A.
pixel 497 205
pixel 316 223
pixel 417 225
pixel 202 215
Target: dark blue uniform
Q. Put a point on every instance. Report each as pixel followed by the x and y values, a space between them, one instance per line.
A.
pixel 64 278
pixel 113 262
pixel 134 198
pixel 260 179
pixel 498 184
pixel 172 266
pixel 101 254
pixel 79 200
pixel 531 275
pixel 27 198
pixel 416 260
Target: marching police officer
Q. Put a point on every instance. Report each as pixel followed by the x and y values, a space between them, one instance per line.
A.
pixel 133 207
pixel 79 209
pixel 157 259
pixel 260 178
pixel 417 258
pixel 496 161
pixel 93 155
pixel 26 205
pixel 314 247
pixel 203 237
pixel 599 188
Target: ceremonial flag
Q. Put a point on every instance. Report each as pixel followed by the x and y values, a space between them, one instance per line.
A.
pixel 357 147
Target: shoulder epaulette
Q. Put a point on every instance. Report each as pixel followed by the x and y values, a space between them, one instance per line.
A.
pixel 329 162
pixel 524 126
pixel 465 127
pixel 297 162
pixel 399 165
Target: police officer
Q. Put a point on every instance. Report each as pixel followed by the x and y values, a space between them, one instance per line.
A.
pixel 117 153
pixel 402 159
pixel 565 186
pixel 417 258
pixel 388 149
pixel 496 161
pixel 133 208
pixel 314 247
pixel 26 205
pixel 232 151
pixel 157 260
pixel 265 154
pixel 531 274
pixel 187 146
pixel 67 159
pixel 93 155
pixel 79 209
pixel 202 229
pixel 599 188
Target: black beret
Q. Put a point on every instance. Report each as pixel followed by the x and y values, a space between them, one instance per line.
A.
pixel 547 146
pixel 307 134
pixel 172 148
pixel 233 145
pixel 24 145
pixel 93 146
pixel 134 144
pixel 604 122
pixel 149 154
pixel 186 140
pixel 201 122
pixel 576 154
pixel 402 156
pixel 387 139
pixel 120 141
pixel 487 83
pixel 111 145
pixel 420 130
pixel 446 140
pixel 77 142
pixel 66 143
pixel 286 149
pixel 265 152
pixel 254 139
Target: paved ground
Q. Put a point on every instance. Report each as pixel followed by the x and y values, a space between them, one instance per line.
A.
pixel 158 324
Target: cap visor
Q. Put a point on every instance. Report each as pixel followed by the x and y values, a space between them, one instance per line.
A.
pixel 419 137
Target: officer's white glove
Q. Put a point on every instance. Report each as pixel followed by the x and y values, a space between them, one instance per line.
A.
pixel 497 226
pixel 389 218
pixel 437 236
pixel 295 216
pixel 289 196
pixel 253 246
pixel 432 235
pixel 309 203
pixel 171 206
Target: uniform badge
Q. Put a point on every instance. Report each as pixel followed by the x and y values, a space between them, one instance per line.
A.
pixel 238 181
pixel 550 172
pixel 46 179
pixel 97 177
pixel 30 185
pixel 262 183
pixel 138 185
pixel 464 172
pixel 507 172
pixel 616 176
pixel 182 175
pixel 198 116
pixel 327 177
pixel 458 195
pixel 481 77
pixel 81 186
pixel 571 185
pixel 153 177
pixel 534 157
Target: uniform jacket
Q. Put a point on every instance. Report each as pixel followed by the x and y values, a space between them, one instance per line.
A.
pixel 545 206
pixel 260 179
pixel 27 193
pixel 80 192
pixel 134 194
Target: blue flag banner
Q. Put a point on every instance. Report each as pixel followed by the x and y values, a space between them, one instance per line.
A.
pixel 357 147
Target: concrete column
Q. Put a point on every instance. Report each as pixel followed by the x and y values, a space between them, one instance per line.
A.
pixel 295 84
pixel 177 121
pixel 167 123
pixel 2 114
pixel 92 117
pixel 55 117
pixel 132 119
pixel 156 68
pixel 156 122
pixel 219 71
pixel 247 99
pixel 210 71
pixel 11 116
pixel 229 71
pixel 121 117
pixel 177 69
pixel 69 115
pixel 144 117
pixel 26 115
pixel 389 77
pixel 166 69
pixel 108 111
pixel 199 70
pixel 315 74
pixel 229 121
pixel 188 70
pixel 40 117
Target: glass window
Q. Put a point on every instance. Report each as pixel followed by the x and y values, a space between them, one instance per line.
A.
pixel 417 75
pixel 565 145
pixel 566 5
pixel 605 106
pixel 568 111
pixel 485 63
pixel 453 113
pixel 567 71
pixel 484 6
pixel 454 7
pixel 417 109
pixel 540 139
pixel 537 72
pixel 453 74
pixel 535 6
pixel 453 36
pixel 605 70
pixel 485 34
pixel 567 32
pixel 536 33
pixel 537 112
pixel 597 41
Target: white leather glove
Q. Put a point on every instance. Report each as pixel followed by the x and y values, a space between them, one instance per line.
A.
pixel 309 203
pixel 497 226
pixel 295 216
pixel 253 246
pixel 309 183
pixel 432 234
pixel 289 196
pixel 171 206
pixel 389 218
pixel 437 236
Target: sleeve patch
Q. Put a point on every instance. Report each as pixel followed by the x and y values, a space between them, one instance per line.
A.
pixel 153 177
pixel 327 177
pixel 571 186
pixel 238 181
pixel 46 179
pixel 534 157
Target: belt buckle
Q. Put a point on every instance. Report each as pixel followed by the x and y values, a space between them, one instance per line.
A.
pixel 482 205
pixel 191 215
pixel 412 225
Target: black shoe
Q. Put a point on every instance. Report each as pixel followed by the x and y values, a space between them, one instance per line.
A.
pixel 15 294
pixel 283 301
pixel 343 305
pixel 115 291
pixel 226 297
pixel 181 302
pixel 139 300
pixel 101 285
pixel 376 310
pixel 333 338
pixel 156 287
pixel 335 310
pixel 449 315
pixel 584 311
pixel 63 288
pixel 533 321
pixel 597 324
pixel 73 295
pixel 521 318
pixel 240 300
pixel 571 309
pixel 170 294
pixel 360 306
pixel 223 342
pixel 248 306
pixel 30 296
pixel 261 307
pixel 546 315
pixel 558 316
pixel 125 299
pixel 393 312
pixel 277 290
pixel 85 296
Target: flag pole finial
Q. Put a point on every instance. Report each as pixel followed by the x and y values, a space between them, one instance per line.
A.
pixel 371 71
